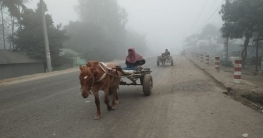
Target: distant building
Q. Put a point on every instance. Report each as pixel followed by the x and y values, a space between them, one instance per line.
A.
pixel 15 64
pixel 75 56
pixel 210 48
pixel 236 46
pixel 234 49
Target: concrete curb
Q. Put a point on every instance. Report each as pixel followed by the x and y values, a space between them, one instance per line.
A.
pixel 226 85
pixel 242 72
pixel 35 76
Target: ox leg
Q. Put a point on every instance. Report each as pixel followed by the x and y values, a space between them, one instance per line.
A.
pixel 117 98
pixel 114 101
pixel 97 102
pixel 106 100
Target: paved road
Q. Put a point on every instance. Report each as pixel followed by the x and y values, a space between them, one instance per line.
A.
pixel 185 103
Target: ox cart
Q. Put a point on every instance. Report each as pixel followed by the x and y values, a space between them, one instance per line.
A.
pixel 142 74
pixel 164 59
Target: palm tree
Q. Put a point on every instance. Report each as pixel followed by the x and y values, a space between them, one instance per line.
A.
pixel 13 7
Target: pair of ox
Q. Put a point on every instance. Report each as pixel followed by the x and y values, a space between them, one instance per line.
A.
pixel 96 76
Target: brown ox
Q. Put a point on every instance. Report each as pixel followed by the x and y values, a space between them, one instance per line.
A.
pixel 97 76
pixel 163 59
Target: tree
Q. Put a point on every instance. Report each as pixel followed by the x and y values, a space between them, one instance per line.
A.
pixel 209 31
pixel 13 7
pixel 191 41
pixel 242 18
pixel 29 38
pixel 100 34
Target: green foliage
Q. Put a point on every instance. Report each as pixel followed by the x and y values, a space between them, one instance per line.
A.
pixel 242 18
pixel 226 63
pixel 29 38
pixel 13 9
pixel 13 6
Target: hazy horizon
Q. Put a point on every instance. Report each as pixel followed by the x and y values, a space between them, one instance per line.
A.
pixel 166 23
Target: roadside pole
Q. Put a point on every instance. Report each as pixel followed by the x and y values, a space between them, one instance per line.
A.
pixel 262 57
pixel 207 59
pixel 257 56
pixel 48 57
pixel 225 53
pixel 256 39
pixel 237 70
pixel 217 63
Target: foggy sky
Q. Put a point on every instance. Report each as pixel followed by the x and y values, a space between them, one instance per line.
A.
pixel 166 22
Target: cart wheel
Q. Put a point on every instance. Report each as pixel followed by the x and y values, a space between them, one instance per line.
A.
pixel 147 85
pixel 141 80
pixel 172 62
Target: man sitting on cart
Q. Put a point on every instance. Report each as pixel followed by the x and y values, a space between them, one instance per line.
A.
pixel 133 60
pixel 167 53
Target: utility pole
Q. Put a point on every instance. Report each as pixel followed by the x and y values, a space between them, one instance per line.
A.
pixel 257 54
pixel 225 53
pixel 261 56
pixel 48 57
pixel 3 25
pixel 226 41
pixel 256 39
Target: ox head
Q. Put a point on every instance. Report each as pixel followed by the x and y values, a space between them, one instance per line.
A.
pixel 87 77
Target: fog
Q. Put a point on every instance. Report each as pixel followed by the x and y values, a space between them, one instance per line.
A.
pixel 165 22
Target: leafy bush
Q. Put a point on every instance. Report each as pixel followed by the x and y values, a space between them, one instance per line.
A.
pixel 226 63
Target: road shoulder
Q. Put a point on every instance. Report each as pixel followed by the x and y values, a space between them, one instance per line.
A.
pixel 246 92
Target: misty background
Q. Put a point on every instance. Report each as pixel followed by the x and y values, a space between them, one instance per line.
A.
pixel 165 22
pixel 81 30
